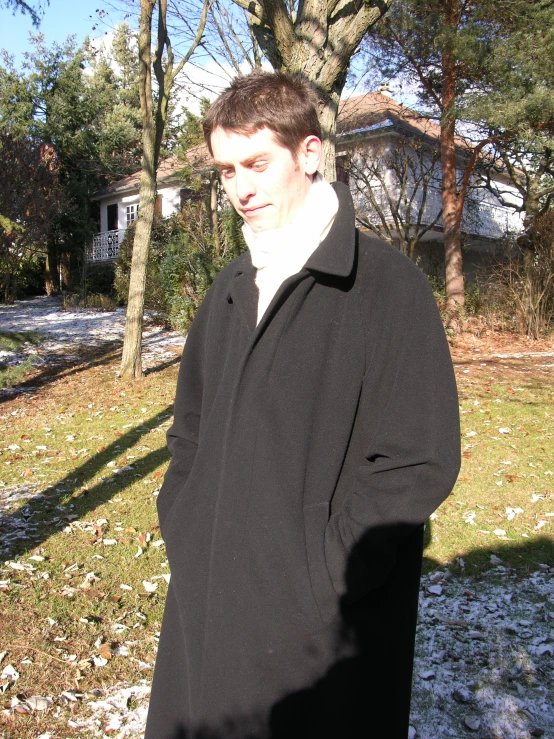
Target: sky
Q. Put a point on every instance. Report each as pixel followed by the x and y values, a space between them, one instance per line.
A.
pixel 61 19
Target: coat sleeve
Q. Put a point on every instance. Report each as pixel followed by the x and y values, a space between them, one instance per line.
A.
pixel 182 436
pixel 409 422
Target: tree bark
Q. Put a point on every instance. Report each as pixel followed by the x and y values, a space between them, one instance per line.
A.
pixel 316 42
pixel 131 361
pixel 51 275
pixel 213 206
pixel 451 212
pixel 154 119
pixel 65 264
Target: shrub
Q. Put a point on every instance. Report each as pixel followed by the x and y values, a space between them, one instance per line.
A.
pixel 522 279
pixel 98 279
pixel 183 261
pixel 91 301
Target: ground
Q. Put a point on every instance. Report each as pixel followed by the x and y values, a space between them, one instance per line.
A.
pixel 82 564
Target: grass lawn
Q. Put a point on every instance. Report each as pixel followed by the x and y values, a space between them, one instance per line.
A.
pixel 83 571
pixel 14 340
pixel 11 376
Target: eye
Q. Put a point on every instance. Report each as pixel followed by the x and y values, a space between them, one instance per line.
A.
pixel 227 173
pixel 259 166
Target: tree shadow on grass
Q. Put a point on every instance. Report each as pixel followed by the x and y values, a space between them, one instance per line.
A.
pixel 17 529
pixel 160 367
pixel 64 366
pixel 522 556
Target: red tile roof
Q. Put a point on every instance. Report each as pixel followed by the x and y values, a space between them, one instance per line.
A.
pixel 364 111
pixel 169 170
pixel 356 114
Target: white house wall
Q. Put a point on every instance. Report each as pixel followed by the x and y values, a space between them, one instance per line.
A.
pixel 484 215
pixel 171 200
pixel 171 203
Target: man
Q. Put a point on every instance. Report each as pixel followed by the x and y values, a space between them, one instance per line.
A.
pixel 315 429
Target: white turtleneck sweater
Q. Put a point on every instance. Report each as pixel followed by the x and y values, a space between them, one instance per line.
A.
pixel 279 253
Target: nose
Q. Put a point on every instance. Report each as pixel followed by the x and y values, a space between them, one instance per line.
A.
pixel 244 183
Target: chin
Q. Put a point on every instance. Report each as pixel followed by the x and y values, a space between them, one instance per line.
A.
pixel 258 226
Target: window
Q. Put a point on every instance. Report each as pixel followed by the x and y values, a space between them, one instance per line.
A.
pixel 132 213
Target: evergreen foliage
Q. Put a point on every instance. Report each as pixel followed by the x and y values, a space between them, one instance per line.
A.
pixel 83 105
pixel 183 262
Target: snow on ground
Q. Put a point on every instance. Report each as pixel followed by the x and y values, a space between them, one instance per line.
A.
pixel 485 656
pixel 484 663
pixel 66 331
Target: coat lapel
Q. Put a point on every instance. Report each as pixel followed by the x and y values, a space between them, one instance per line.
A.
pixel 243 293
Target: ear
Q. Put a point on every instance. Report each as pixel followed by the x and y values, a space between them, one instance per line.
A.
pixel 310 154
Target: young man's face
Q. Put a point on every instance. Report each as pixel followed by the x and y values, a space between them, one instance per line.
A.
pixel 264 182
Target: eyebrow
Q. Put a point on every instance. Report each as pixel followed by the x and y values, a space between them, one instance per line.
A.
pixel 244 162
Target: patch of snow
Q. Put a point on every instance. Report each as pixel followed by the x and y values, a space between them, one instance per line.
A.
pixel 66 331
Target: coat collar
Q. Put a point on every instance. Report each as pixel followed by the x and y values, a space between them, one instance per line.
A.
pixel 336 253
pixel 334 256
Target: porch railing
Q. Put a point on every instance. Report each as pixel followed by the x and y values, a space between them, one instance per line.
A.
pixel 105 246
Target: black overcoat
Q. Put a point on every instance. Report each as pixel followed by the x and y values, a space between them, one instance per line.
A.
pixel 307 452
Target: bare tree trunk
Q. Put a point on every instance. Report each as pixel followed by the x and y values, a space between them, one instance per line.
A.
pixel 532 210
pixel 453 263
pixel 154 121
pixel 327 109
pixel 131 361
pixel 65 265
pixel 315 41
pixel 51 275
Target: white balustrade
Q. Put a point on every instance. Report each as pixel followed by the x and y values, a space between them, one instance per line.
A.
pixel 105 246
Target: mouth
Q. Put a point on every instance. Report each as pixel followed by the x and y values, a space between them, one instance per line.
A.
pixel 248 212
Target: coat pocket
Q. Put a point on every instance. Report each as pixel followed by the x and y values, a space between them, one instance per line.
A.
pixel 316 517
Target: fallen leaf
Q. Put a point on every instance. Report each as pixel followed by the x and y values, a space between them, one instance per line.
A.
pixel 427 674
pixel 105 651
pixel 38 702
pixel 435 589
pixel 472 722
pixel 9 673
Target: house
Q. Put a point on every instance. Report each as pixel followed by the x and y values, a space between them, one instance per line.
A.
pixel 390 157
pixel 373 126
pixel 119 201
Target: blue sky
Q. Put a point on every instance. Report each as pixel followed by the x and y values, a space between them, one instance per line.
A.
pixel 61 19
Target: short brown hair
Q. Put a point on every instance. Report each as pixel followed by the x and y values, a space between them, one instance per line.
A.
pixel 280 102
